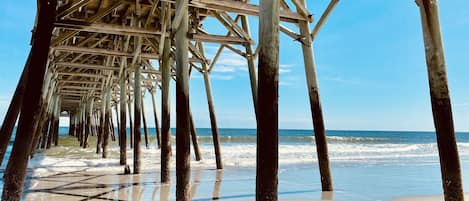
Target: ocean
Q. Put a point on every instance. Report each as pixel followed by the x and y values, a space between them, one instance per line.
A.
pixel 366 165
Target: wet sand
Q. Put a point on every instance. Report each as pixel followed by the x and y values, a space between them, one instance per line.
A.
pixel 426 198
pixel 207 184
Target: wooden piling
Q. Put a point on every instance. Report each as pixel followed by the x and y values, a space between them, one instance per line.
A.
pixel 16 169
pixel 315 104
pixel 116 109
pixel 111 125
pixel 102 127
pixel 441 103
pixel 107 122
pixel 182 102
pixel 250 61
pixel 137 117
pixel 131 122
pixel 13 112
pixel 137 66
pixel 213 119
pixel 123 119
pixel 194 139
pixel 56 122
pixel 166 151
pixel 145 128
pixel 157 124
pixel 211 109
pixel 267 123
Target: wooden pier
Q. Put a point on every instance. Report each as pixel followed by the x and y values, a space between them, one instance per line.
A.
pixel 89 57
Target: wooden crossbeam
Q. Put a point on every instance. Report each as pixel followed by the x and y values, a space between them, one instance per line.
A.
pixel 243 8
pixel 107 28
pixel 72 8
pixel 99 67
pixel 219 39
pixel 93 19
pixel 100 51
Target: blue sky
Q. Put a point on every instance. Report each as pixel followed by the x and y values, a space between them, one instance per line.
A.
pixel 370 65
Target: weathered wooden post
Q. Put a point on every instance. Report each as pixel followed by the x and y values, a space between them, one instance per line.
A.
pixel 213 118
pixel 166 151
pixel 107 122
pixel 182 102
pixel 116 109
pixel 194 139
pixel 137 107
pixel 123 119
pixel 102 124
pixel 131 122
pixel 16 169
pixel 267 123
pixel 56 121
pixel 211 109
pixel 315 104
pixel 441 103
pixel 217 186
pixel 89 122
pixel 155 116
pixel 13 111
pixel 145 128
pixel 250 61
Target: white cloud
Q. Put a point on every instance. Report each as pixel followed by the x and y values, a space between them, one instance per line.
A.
pixel 4 101
pixel 221 77
pixel 196 75
pixel 282 71
pixel 342 80
pixel 284 66
pixel 463 104
pixel 223 69
pixel 282 83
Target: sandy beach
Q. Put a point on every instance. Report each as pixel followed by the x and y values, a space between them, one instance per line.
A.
pixel 87 184
pixel 365 169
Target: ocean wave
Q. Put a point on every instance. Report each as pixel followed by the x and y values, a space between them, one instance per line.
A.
pixel 253 139
pixel 65 158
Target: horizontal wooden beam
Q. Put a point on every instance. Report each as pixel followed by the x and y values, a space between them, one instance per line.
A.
pixel 79 82
pixel 219 39
pixel 100 51
pixel 99 67
pixel 243 8
pixel 107 28
pixel 81 74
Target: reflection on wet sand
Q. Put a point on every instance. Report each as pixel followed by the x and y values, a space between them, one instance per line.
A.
pixel 195 182
pixel 206 186
pixel 327 195
pixel 164 193
pixel 217 187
